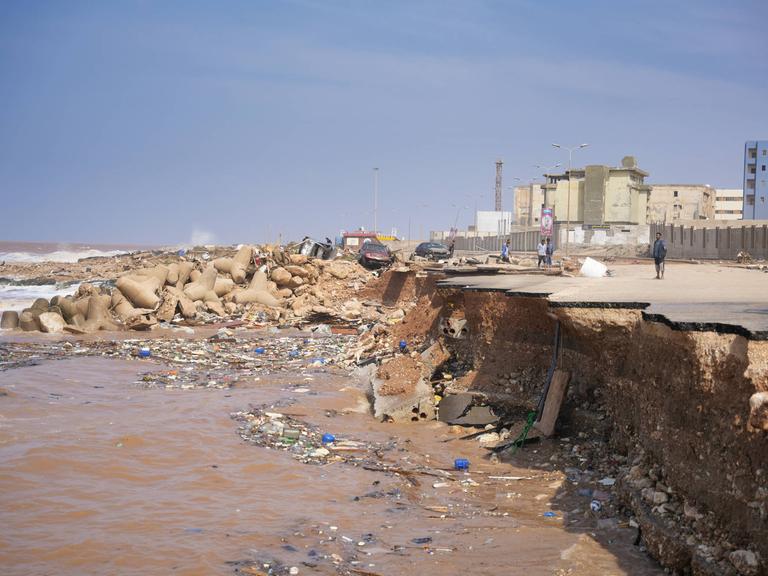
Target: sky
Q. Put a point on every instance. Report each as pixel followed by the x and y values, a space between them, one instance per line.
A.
pixel 164 122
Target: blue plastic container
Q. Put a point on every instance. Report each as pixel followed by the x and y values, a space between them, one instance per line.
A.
pixel 293 354
pixel 328 438
pixel 145 353
pixel 461 464
pixel 403 345
pixel 260 350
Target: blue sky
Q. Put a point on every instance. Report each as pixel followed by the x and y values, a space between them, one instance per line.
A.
pixel 154 122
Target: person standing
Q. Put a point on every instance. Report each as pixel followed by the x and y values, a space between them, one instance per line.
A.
pixel 542 251
pixel 659 254
pixel 550 248
pixel 451 248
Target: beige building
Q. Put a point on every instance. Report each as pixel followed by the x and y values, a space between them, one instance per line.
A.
pixel 527 205
pixel 673 202
pixel 729 203
pixel 600 195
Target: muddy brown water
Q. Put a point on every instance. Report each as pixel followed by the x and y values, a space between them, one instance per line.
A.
pixel 99 475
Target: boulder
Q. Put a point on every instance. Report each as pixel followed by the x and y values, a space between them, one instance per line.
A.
pixel 280 276
pixel 298 271
pixel 758 411
pixel 298 259
pixel 167 309
pixel 338 270
pixel 51 322
pixel 40 304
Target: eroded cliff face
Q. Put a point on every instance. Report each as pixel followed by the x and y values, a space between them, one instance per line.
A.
pixel 677 405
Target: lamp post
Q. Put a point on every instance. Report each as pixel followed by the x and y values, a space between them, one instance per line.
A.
pixel 568 207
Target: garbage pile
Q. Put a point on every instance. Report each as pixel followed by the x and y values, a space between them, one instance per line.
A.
pixel 256 284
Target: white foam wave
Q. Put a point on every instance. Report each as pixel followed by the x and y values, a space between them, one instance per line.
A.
pixel 57 256
pixel 20 297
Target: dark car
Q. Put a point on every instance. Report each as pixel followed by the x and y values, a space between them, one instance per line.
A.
pixel 373 254
pixel 433 251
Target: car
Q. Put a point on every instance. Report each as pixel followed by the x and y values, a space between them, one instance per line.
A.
pixel 433 251
pixel 373 255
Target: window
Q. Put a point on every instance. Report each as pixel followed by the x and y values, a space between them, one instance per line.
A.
pixel 675 193
pixel 765 151
pixel 750 199
pixel 763 168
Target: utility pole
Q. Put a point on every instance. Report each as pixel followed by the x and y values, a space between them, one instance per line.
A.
pixel 375 198
pixel 499 164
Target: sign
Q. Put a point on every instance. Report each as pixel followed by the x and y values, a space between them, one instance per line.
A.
pixel 547 222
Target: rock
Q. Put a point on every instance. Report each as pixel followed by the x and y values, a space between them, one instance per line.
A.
pixel 285 293
pixel 337 270
pixel 295 282
pixel 297 271
pixel 167 309
pixel 299 259
pixel 489 439
pixel 215 307
pixel 280 276
pixel 51 322
pixel 745 561
pixel 691 512
pixel 659 497
pixel 758 411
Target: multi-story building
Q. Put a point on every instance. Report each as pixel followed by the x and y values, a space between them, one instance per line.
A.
pixel 670 202
pixel 756 180
pixel 729 203
pixel 600 195
pixel 527 206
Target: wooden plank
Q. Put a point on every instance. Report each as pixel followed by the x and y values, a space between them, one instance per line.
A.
pixel 555 396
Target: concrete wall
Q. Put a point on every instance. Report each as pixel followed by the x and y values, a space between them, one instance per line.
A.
pixel 717 240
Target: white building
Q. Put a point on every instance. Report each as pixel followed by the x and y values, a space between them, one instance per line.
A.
pixel 493 222
pixel 729 204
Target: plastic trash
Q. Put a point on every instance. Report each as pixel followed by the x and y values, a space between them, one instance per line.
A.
pixel 424 540
pixel 549 515
pixel 293 354
pixel 328 438
pixel 260 350
pixel 403 345
pixel 182 252
pixel 593 269
pixel 145 352
pixel 461 464
pixel 595 506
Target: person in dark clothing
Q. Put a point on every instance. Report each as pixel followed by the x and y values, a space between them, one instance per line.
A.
pixel 451 248
pixel 659 253
pixel 550 249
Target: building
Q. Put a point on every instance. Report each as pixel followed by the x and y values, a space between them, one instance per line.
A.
pixel 600 195
pixel 492 221
pixel 729 203
pixel 527 196
pixel 756 180
pixel 671 202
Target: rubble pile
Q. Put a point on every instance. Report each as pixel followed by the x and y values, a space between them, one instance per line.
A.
pixel 257 285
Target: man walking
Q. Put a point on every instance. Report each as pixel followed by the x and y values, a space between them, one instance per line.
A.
pixel 505 251
pixel 542 252
pixel 659 253
pixel 550 249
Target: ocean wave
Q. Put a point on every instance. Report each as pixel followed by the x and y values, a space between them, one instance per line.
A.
pixel 58 256
pixel 18 297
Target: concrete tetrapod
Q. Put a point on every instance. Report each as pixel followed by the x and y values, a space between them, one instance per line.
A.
pixel 140 290
pixel 198 289
pixel 185 269
pixel 123 308
pixel 10 320
pixel 98 314
pixel 257 292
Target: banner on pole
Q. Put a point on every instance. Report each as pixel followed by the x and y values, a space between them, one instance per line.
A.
pixel 547 222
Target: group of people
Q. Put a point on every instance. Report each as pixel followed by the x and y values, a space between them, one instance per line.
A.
pixel 544 250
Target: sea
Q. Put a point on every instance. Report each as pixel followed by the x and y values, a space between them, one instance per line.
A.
pixel 17 293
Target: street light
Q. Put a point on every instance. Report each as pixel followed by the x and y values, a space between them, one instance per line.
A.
pixel 568 208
